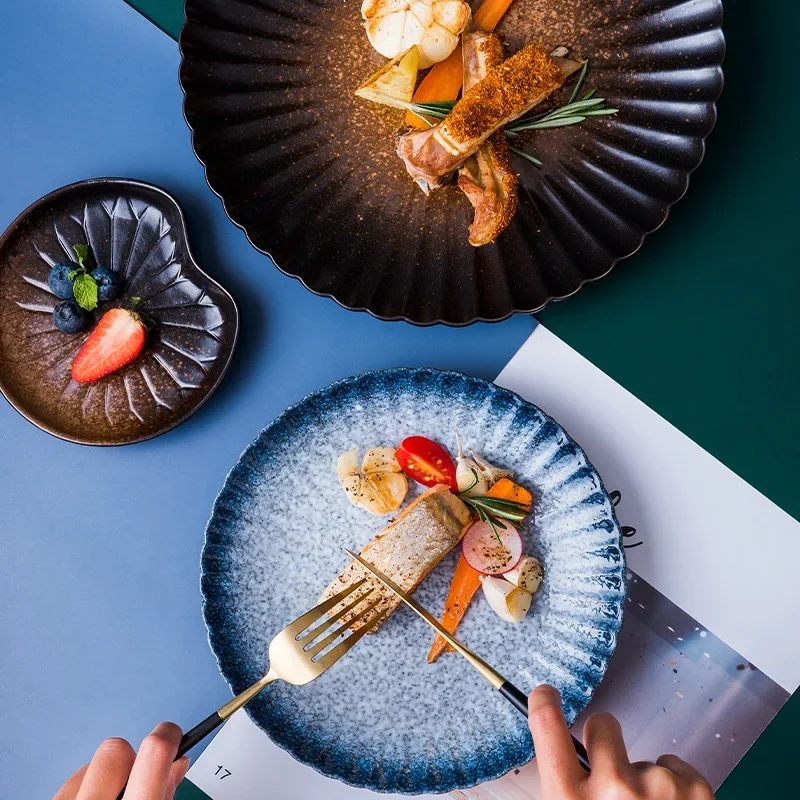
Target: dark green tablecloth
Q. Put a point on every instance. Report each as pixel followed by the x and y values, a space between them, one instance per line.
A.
pixel 701 324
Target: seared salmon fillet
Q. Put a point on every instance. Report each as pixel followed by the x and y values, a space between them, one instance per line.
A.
pixel 407 549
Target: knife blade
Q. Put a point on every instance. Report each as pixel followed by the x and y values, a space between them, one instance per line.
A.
pixel 515 696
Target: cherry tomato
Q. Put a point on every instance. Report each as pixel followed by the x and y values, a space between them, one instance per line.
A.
pixel 427 462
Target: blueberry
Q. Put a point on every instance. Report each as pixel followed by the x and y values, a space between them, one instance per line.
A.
pixel 58 279
pixel 69 317
pixel 108 282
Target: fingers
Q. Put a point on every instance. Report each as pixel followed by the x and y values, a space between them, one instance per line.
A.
pixel 108 771
pixel 680 768
pixel 555 753
pixel 602 736
pixel 176 774
pixel 69 791
pixel 150 776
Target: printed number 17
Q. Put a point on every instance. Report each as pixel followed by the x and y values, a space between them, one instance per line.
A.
pixel 226 772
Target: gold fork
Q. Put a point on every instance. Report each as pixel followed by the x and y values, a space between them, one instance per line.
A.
pixel 294 654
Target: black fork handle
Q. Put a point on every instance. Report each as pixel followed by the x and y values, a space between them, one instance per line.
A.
pixel 519 700
pixel 191 738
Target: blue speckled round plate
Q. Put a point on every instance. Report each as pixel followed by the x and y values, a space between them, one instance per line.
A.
pixel 384 718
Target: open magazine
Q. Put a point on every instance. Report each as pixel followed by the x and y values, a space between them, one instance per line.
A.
pixel 703 661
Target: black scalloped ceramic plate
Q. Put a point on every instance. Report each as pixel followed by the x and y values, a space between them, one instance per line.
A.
pixel 139 230
pixel 309 171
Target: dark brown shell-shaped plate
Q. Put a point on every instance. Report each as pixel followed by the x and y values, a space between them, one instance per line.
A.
pixel 310 173
pixel 138 230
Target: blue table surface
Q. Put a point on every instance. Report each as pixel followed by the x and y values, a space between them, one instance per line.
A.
pixel 99 595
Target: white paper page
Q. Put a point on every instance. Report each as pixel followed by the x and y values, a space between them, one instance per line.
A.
pixel 242 763
pixel 715 546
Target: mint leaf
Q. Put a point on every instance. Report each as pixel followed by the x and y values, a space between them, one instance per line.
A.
pixel 85 291
pixel 134 301
pixel 81 251
pixel 72 274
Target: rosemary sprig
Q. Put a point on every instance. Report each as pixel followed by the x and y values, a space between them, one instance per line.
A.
pixel 579 83
pixel 437 109
pixel 568 114
pixel 527 156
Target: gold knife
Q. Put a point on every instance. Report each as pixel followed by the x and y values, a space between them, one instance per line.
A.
pixel 515 696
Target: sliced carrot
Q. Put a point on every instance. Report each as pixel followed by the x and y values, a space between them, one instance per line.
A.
pixel 490 13
pixel 443 81
pixel 506 489
pixel 466 581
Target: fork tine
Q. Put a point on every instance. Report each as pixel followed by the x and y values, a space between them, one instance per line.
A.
pixel 301 623
pixel 329 659
pixel 335 634
pixel 328 621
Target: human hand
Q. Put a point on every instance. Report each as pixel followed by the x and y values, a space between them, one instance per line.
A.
pixel 150 774
pixel 613 777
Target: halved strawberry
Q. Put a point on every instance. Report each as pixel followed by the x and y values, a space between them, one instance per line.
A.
pixel 115 342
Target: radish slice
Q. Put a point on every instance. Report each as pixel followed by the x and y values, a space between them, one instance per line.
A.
pixel 484 553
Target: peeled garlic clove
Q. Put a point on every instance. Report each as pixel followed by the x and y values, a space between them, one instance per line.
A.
pixel 527 574
pixel 347 464
pixel 380 459
pixel 509 602
pixel 391 487
pixel 352 488
pixel 435 45
pixel 469 477
pixel 371 497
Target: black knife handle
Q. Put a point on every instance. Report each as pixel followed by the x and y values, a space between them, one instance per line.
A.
pixel 519 700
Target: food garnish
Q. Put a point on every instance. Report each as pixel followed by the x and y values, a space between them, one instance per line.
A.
pixel 379 487
pixel 116 341
pixel 527 574
pixel 84 286
pixel 427 462
pixel 444 80
pixel 465 584
pixel 493 474
pixel 491 550
pixel 69 317
pixel 509 602
pixel 393 84
pixel 433 25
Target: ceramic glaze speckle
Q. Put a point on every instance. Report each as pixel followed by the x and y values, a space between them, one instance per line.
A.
pixel 383 717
